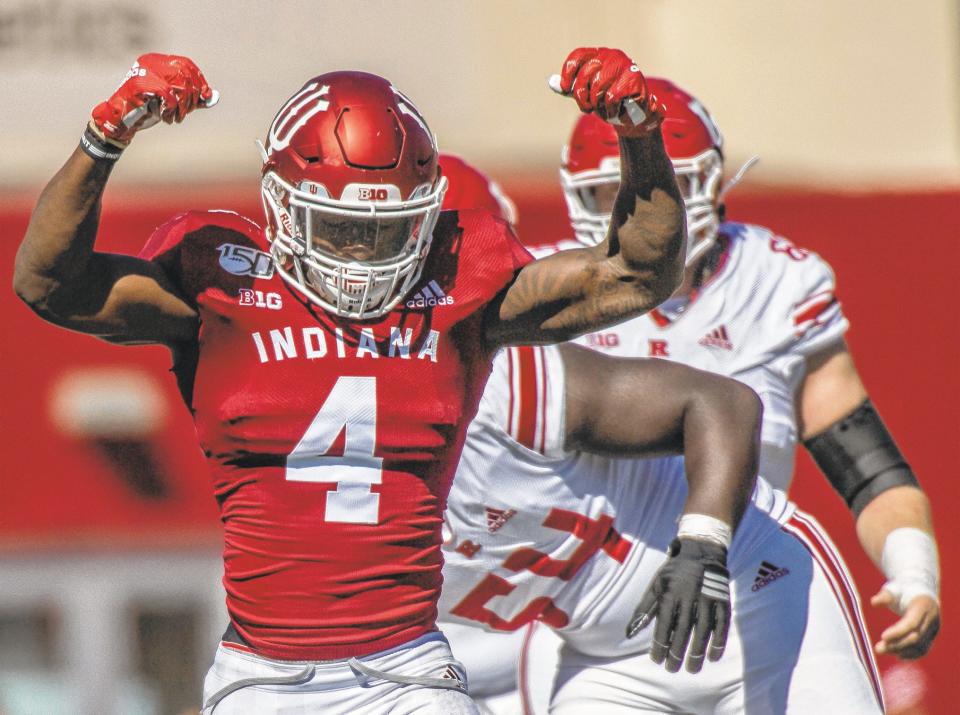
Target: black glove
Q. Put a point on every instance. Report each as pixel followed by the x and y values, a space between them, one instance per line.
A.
pixel 690 592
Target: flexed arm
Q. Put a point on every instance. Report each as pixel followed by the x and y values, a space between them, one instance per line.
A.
pixel 58 273
pixel 640 262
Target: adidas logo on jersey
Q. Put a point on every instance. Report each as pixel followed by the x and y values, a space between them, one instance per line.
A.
pixel 429 296
pixel 717 338
pixel 767 574
pixel 496 518
pixel 450 673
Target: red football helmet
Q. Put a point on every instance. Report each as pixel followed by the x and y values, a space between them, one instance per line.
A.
pixel 470 188
pixel 351 193
pixel 693 142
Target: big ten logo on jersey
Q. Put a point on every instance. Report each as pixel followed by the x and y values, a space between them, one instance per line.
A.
pixel 594 536
pixel 245 261
pixel 259 299
pixel 602 340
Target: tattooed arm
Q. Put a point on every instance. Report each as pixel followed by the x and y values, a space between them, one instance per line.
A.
pixel 640 263
pixel 633 270
pixel 58 273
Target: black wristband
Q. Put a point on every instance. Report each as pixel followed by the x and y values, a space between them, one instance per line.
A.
pixel 96 148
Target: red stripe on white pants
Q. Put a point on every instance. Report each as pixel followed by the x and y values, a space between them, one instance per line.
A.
pixel 821 548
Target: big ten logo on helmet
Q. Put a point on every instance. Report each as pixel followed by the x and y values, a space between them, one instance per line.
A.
pixel 259 299
pixel 245 261
pixel 371 192
pixel 367 193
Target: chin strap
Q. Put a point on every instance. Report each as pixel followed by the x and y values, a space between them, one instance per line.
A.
pixel 747 165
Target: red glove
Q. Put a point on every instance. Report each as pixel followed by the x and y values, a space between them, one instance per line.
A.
pixel 608 82
pixel 166 87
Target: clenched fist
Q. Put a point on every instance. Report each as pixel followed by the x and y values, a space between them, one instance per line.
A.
pixel 607 82
pixel 166 87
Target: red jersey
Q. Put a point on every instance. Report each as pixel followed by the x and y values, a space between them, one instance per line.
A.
pixel 331 443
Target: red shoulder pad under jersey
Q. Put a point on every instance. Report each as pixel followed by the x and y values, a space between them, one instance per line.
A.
pixel 200 249
pixel 478 251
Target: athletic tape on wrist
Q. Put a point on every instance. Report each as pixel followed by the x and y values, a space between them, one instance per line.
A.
pixel 708 528
pixel 910 563
pixel 97 148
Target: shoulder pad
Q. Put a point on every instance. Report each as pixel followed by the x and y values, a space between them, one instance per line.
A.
pixel 476 250
pixel 169 235
pixel 207 249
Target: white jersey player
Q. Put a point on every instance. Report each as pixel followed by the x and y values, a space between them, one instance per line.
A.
pixel 540 531
pixel 757 308
pixel 766 308
pixel 760 309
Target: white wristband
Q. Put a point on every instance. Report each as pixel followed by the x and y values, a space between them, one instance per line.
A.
pixel 708 528
pixel 909 561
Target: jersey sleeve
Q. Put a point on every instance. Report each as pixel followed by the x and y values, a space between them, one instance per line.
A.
pixel 188 249
pixel 486 255
pixel 164 248
pixel 524 401
pixel 815 318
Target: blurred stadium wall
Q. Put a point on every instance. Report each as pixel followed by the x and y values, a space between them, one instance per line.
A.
pixel 110 600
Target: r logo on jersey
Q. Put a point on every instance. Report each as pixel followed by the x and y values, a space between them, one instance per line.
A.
pixel 245 261
pixel 658 348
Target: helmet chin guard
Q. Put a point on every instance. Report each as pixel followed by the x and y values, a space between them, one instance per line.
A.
pixel 359 290
pixel 351 193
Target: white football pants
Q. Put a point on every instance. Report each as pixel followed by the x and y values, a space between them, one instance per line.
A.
pixel 419 677
pixel 797 645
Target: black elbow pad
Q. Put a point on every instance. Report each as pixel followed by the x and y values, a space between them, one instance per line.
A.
pixel 860 458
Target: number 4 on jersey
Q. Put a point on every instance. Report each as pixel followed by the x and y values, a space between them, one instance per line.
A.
pixel 351 406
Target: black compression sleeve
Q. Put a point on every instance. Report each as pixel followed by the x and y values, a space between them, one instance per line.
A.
pixel 860 458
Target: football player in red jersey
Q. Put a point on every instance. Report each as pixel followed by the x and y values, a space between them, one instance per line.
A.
pixel 333 359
